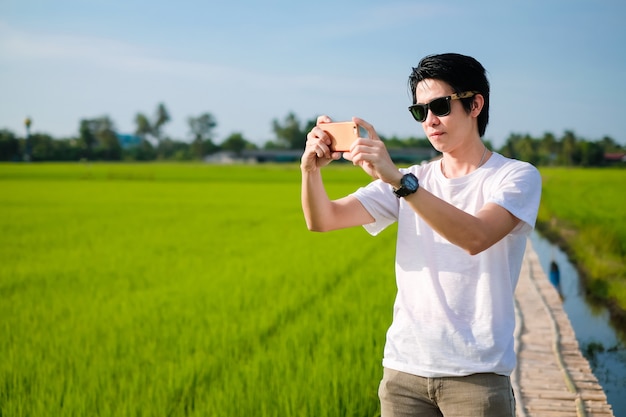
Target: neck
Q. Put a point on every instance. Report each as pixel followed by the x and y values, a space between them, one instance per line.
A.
pixel 454 167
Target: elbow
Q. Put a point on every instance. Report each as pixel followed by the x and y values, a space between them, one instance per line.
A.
pixel 316 226
pixel 474 250
pixel 319 223
pixel 477 245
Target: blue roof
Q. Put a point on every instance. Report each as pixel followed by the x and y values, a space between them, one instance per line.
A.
pixel 128 141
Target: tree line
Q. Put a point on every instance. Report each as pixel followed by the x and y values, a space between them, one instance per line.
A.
pixel 99 140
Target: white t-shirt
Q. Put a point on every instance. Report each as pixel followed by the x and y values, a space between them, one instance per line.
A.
pixel 454 312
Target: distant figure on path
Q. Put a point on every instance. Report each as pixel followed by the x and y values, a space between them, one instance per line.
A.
pixel 555 276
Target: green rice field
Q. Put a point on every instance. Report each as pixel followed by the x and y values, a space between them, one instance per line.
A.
pixel 185 290
pixel 196 290
pixel 585 209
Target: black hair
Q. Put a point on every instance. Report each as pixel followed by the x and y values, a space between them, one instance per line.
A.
pixel 462 73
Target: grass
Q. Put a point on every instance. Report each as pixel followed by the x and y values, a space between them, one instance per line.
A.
pixel 179 290
pixel 583 209
pixel 193 290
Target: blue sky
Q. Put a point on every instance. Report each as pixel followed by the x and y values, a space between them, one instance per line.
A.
pixel 554 65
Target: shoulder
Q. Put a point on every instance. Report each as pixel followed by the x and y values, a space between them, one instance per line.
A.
pixel 505 162
pixel 504 167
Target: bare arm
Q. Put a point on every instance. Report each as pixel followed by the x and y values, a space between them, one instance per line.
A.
pixel 471 233
pixel 321 213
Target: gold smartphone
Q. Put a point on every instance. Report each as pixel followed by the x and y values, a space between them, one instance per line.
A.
pixel 342 134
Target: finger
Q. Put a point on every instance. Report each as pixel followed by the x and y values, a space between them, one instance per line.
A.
pixel 323 119
pixel 320 146
pixel 321 134
pixel 316 134
pixel 371 132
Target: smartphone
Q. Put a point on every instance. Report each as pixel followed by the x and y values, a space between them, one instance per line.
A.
pixel 342 134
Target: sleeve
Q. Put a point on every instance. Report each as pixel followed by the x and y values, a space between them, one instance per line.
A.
pixel 520 192
pixel 380 201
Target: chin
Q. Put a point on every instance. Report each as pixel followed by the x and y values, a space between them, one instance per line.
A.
pixel 437 146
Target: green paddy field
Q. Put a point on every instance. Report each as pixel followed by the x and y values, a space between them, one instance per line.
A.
pixel 585 211
pixel 196 290
pixel 180 290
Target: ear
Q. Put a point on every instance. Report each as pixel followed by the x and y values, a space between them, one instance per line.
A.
pixel 477 105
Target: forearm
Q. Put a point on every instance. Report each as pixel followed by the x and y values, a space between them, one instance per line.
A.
pixel 473 233
pixel 316 205
pixel 323 214
pixel 457 226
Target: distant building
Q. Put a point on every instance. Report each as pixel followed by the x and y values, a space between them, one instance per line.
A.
pixel 615 157
pixel 407 155
pixel 128 141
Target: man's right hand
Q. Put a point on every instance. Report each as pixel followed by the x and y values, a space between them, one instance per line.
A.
pixel 317 151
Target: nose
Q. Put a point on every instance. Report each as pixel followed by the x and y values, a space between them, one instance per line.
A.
pixel 431 118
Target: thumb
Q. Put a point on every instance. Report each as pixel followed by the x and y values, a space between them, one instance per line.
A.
pixel 371 132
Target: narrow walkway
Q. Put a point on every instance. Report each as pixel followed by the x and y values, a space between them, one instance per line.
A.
pixel 552 378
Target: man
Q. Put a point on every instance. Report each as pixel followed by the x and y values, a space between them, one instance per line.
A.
pixel 463 222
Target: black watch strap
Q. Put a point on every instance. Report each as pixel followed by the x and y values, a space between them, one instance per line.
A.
pixel 408 185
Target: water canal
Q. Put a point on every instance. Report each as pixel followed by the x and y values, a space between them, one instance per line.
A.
pixel 601 343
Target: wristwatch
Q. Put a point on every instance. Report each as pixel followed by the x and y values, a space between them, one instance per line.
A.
pixel 408 185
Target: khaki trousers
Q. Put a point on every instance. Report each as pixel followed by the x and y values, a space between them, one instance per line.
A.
pixel 478 395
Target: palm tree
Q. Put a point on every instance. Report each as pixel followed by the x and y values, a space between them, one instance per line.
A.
pixel 162 116
pixel 144 128
pixel 201 129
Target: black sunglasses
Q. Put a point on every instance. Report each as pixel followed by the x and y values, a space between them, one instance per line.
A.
pixel 439 106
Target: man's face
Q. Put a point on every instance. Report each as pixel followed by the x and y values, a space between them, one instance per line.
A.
pixel 445 133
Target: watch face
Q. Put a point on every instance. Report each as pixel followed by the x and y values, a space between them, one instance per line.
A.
pixel 410 182
pixel 408 185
